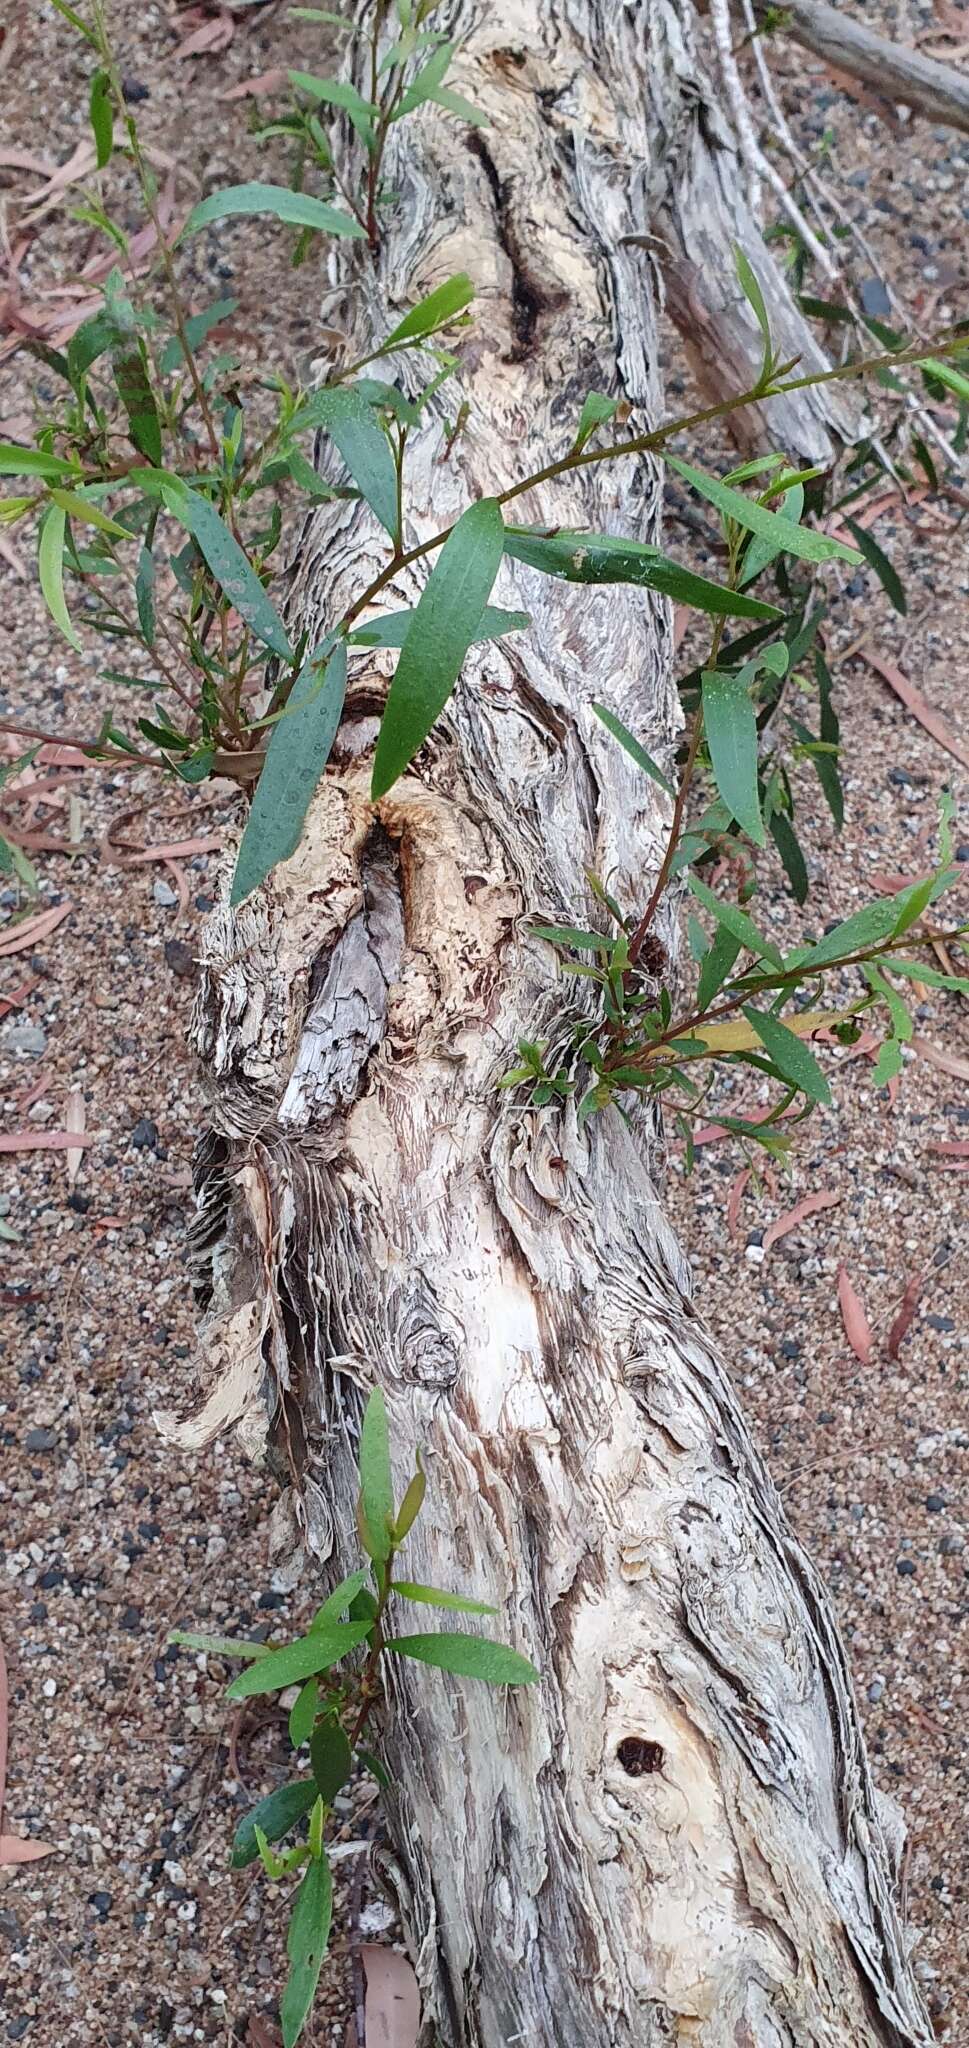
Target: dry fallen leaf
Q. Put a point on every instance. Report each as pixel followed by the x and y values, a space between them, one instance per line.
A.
pixel 42 1141
pixel 75 1119
pixel 33 929
pixel 261 81
pixel 932 720
pixel 824 1199
pixel 738 1189
pixel 905 1316
pixel 947 1062
pixel 392 2006
pixel 209 39
pixel 857 1326
pixel 951 1148
pixel 12 1849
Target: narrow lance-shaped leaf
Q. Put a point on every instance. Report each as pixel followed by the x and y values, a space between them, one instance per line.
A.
pixel 334 92
pixel 145 594
pixel 736 921
pixel 306 1944
pixel 468 1656
pixel 393 628
pixel 231 568
pixel 632 746
pixel 432 1596
pixel 792 859
pixel 376 1480
pixel 218 1646
pixel 730 725
pixel 443 627
pixel 16 461
pixel 303 1712
pixel 352 424
pixel 876 559
pixel 792 1058
pixel 296 756
pixel 596 409
pixel 792 540
pixel 197 327
pixel 50 564
pixel 296 209
pixel 750 286
pixel 101 119
pixel 274 1815
pixel 433 312
pixel 331 1758
pixel 296 1661
pixel 611 558
pixel 716 964
pixel 137 397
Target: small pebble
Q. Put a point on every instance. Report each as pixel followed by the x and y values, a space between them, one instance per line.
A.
pixel 165 896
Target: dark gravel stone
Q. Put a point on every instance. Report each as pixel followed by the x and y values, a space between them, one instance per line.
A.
pixel 875 298
pixel 131 1620
pixel 17 2028
pixel 179 957
pixel 134 91
pixel 940 1322
pixel 144 1137
pixel 102 1903
pixel 790 1348
pixel 905 1568
pixel 40 1439
pixel 935 1502
pixel 81 1203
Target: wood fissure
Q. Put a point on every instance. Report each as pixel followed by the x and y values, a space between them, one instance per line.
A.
pixel 675 1838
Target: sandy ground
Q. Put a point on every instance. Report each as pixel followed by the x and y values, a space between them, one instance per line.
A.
pixel 134 1931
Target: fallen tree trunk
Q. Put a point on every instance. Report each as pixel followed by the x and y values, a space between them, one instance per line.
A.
pixel 937 90
pixel 675 1839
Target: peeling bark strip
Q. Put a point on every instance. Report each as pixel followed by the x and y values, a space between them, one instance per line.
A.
pixel 675 1839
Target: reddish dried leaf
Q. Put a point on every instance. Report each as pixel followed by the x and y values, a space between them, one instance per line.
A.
pixel 824 1199
pixel 906 1315
pixel 892 885
pixel 172 850
pixel 856 1324
pixel 927 716
pixel 42 1141
pixel 34 929
pixel 261 2035
pixel 951 1148
pixel 13 1850
pixel 392 2006
pixel 261 81
pixel 23 160
pixel 947 1062
pixel 738 1190
pixel 209 39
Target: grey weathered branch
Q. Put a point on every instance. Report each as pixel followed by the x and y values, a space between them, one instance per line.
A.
pixel 937 90
pixel 674 1841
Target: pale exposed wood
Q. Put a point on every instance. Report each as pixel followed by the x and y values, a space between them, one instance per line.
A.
pixel 937 90
pixel 675 1839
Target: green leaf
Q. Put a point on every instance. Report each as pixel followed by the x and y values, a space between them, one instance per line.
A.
pixel 792 540
pixel 342 1597
pixel 730 725
pixel 197 327
pixel 885 570
pixel 946 374
pixel 299 1660
pixel 430 1596
pixel 866 928
pixel 274 1816
pixel 759 552
pixel 610 558
pixel 750 287
pixel 391 630
pixel 90 514
pixel 792 1058
pixel 910 902
pixel 596 408
pixel 789 848
pixel 296 756
pixel 427 81
pixel 411 1504
pixel 331 1758
pixel 632 746
pixel 353 426
pixel 455 103
pixel 218 1646
pixel 334 92
pixel 572 935
pixel 736 921
pixel 16 461
pixel 433 312
pixel 93 339
pixel 919 970
pixel 69 14
pixel 441 631
pixel 137 397
pixel 373 1764
pixel 716 964
pixel 297 209
pixel 145 594
pixel 902 1025
pixel 468 1656
pixel 303 1712
pixel 306 1944
pixel 231 568
pixel 50 564
pixel 102 123
pixel 376 1480
pixel 889 1062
